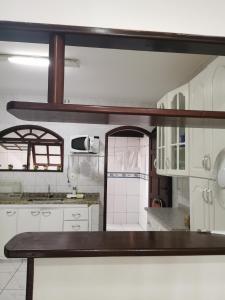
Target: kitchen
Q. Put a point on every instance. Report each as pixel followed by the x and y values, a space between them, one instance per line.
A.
pixel 84 177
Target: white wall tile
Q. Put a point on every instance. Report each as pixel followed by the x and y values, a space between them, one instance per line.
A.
pixel 133 203
pixel 120 218
pixel 132 141
pixel 120 141
pixel 110 203
pixel 132 218
pixel 120 203
pixel 133 186
pixel 120 186
pixel 110 217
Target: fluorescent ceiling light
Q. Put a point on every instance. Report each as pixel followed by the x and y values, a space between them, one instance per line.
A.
pixel 29 61
pixel 36 61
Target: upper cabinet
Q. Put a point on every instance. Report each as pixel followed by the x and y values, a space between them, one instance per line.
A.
pixel 172 142
pixel 207 92
pixel 160 162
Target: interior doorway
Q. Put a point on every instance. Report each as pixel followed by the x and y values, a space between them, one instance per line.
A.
pixel 131 182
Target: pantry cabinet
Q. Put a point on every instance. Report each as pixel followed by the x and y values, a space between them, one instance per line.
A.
pixel 172 142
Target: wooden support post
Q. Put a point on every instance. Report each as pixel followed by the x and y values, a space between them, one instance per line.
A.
pixel 56 69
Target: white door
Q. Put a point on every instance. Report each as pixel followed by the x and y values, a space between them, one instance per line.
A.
pixel 199 217
pixel 200 149
pixel 28 220
pixel 177 140
pixel 8 220
pixel 51 219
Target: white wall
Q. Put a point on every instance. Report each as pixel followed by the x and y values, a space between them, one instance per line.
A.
pixel 193 16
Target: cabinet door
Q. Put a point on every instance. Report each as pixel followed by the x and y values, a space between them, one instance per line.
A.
pixel 200 138
pixel 160 162
pixel 8 221
pixel 51 219
pixel 219 204
pixel 218 103
pixel 199 217
pixel 28 219
pixel 177 141
pixel 94 217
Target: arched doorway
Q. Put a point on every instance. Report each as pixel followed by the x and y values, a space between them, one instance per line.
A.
pixel 131 181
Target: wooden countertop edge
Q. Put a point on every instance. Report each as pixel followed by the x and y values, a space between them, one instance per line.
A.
pixel 100 244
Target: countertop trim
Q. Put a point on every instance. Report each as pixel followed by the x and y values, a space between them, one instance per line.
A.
pixel 92 244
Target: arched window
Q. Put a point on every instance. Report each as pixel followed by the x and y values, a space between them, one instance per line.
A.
pixel 30 148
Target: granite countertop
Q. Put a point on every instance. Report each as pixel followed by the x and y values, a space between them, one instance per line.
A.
pixel 44 198
pixel 169 217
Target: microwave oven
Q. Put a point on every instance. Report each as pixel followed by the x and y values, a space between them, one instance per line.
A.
pixel 85 144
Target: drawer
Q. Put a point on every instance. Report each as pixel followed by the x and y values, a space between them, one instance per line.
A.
pixel 78 213
pixel 75 226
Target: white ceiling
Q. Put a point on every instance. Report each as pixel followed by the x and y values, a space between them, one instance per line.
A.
pixel 105 76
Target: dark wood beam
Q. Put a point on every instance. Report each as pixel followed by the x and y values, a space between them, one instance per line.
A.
pixel 118 115
pixel 113 38
pixel 56 69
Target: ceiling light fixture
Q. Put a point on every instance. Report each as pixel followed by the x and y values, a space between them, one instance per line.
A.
pixel 36 61
pixel 29 61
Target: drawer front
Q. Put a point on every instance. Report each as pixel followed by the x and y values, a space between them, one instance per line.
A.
pixel 75 226
pixel 76 213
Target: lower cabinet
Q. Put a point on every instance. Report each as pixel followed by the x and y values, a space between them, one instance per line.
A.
pixel 18 219
pixel 75 226
pixel 207 205
pixel 51 219
pixel 8 227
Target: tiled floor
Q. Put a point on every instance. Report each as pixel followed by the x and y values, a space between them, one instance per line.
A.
pixel 12 279
pixel 124 227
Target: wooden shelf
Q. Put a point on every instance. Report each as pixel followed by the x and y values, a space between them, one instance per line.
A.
pixel 77 113
pixel 81 244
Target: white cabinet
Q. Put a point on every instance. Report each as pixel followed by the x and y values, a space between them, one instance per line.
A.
pixel 172 142
pixel 94 217
pixel 200 149
pixel 8 222
pixel 75 226
pixel 201 204
pixel 207 205
pixel 207 92
pixel 160 162
pixel 51 219
pixel 28 219
pixel 18 219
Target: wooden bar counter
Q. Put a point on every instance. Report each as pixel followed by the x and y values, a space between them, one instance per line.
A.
pixel 122 265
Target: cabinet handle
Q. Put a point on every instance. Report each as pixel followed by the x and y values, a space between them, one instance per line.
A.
pixel 76 216
pixel 203 162
pixel 46 213
pixel 10 213
pixel 155 163
pixel 210 196
pixel 204 196
pixel 167 163
pixel 35 213
pixel 76 227
pixel 207 162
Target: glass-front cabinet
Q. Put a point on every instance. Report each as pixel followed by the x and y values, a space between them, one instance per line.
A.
pixel 172 142
pixel 160 162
